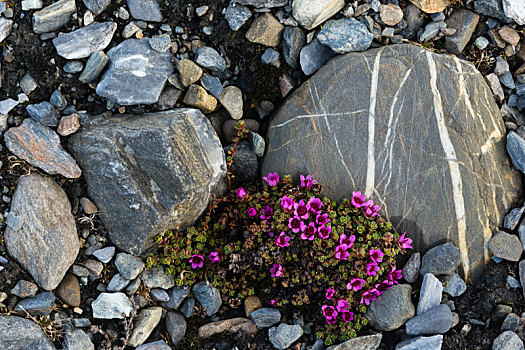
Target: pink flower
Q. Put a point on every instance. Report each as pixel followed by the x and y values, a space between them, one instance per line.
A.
pixel 347 316
pixel 315 205
pixel 322 219
pixel 358 199
pixel 355 284
pixel 266 213
pixel 385 285
pixel 272 179
pixel 330 293
pixel 241 192
pixel 370 208
pixel 376 255
pixel 301 210
pixel 287 203
pixel 282 240
pixel 273 302
pixel 405 242
pixel 372 268
pixel 342 305
pixel 395 274
pixel 276 270
pixel 214 257
pixel 309 232
pixel 271 234
pixel 346 242
pixel 368 296
pixel 341 253
pixel 324 231
pixel 307 182
pixel 330 313
pixel 252 212
pixel 196 261
pixel 295 224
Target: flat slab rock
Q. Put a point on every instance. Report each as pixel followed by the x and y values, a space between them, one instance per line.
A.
pixel 149 173
pixel 85 41
pixel 21 333
pixel 352 126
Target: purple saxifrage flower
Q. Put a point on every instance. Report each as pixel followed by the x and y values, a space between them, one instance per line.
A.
pixel 405 242
pixel 307 182
pixel 276 270
pixel 341 253
pixel 266 213
pixel 287 203
pixel 329 293
pixel 372 268
pixel 394 274
pixel 196 261
pixel 346 241
pixel 272 179
pixel 214 257
pixel 252 212
pixel 368 296
pixel 324 231
pixel 355 284
pixel 358 199
pixel 330 313
pixel 322 219
pixel 282 240
pixel 241 192
pixel 376 255
pixel 347 316
pixel 371 209
pixel 315 205
pixel 309 232
pixel 342 305
pixel 295 224
pixel 301 209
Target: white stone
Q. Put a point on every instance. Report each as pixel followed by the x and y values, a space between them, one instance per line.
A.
pixel 5 28
pixel 515 9
pixel 311 13
pixel 111 305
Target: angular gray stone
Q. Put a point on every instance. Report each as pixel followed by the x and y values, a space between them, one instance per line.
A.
pixel 367 342
pixel 507 341
pixel 111 305
pixel 129 266
pixel 269 56
pixel 513 218
pixel 6 25
pixel 77 339
pixel 411 268
pixel 237 15
pixel 47 244
pixel 136 73
pixel 313 56
pixel 430 294
pixel 158 294
pixel 17 333
pixel 24 289
pixel 311 13
pixel 7 105
pixel 177 295
pixel 96 6
pixel 145 10
pixel 44 112
pixel 209 58
pixel 54 16
pixel 510 323
pixel 506 246
pixel 85 41
pixel 258 144
pixel 138 195
pixel 345 35
pixel 41 304
pixel 208 296
pixel 464 21
pixel 428 343
pixel 157 277
pixel 356 145
pixel 160 43
pixel 144 324
pixel 284 335
pixel 94 66
pixel 431 31
pixel 58 100
pixel 515 10
pixel 105 254
pixel 263 3
pixel 212 85
pixel 176 326
pixel 491 8
pixel 188 307
pixel 157 345
pixel 443 259
pixel 436 320
pixel 231 99
pixel 73 67
pixel 391 309
pixel 516 149
pixel 117 283
pixel 40 146
pixel 265 317
pixel 294 40
pixel 455 286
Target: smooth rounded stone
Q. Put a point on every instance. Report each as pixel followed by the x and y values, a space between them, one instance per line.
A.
pixel 294 40
pixel 176 296
pixel 506 246
pixel 44 112
pixel 443 259
pixel 436 320
pixel 133 214
pixel 251 304
pixel 508 341
pixel 25 289
pixel 144 82
pixel 236 15
pixel 105 254
pixel 391 309
pixel 117 283
pixel 96 6
pixel 89 208
pixel 160 43
pixel 94 67
pixel 513 218
pixel 69 124
pixel 430 294
pixel 54 16
pixel 284 335
pixel 454 286
pixel 176 326
pixel 269 56
pixel 229 132
pixel 208 296
pixel 144 324
pixel 189 72
pixel 345 35
pixel 197 97
pixel 265 317
pixel 465 22
pixel 47 244
pixel 95 267
pixel 311 13
pixel 81 322
pixel 85 41
pixel 258 144
pixel 168 99
pixel 73 66
pixel 390 14
pixel 411 268
pixel 157 345
pixel 111 305
pixel 265 30
pixel 515 10
pixel 41 304
pixel 212 85
pixel 188 307
pixel 159 294
pixel 313 56
pixel 431 6
pixel 245 165
pixel 231 99
pixel 367 342
pixel 145 10
pixel 209 58
pixel 79 271
pixel 233 325
pixel 428 343
pixel 157 277
pixel 69 290
pixel 129 266
pixel 510 323
pixel 17 333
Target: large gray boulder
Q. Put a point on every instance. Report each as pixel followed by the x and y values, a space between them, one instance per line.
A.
pixel 149 173
pixel 17 333
pixel 418 132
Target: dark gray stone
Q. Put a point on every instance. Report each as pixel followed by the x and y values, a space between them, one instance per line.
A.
pixel 141 170
pixel 77 339
pixel 507 80
pixel 313 56
pixel 81 322
pixel 129 266
pixel 208 296
pixel 464 21
pixel 237 15
pixel 58 100
pixel 427 343
pixel 430 294
pixel 168 98
pixel 265 317
pixel 54 16
pixel 73 67
pixel 522 275
pixel 443 259
pixel 17 333
pixel 44 112
pixel 506 246
pixel 96 6
pixel 85 41
pixel 454 286
pixel 245 165
pixel 391 309
pixel 188 307
pixel 159 295
pixel 263 3
pixel 516 149
pixel 145 10
pixel 294 40
pixel 491 8
pixel 367 342
pixel 136 73
pixel 212 85
pixel 436 320
pixel 94 66
pixel 414 19
pixel 209 58
pixel 411 268
pixel 507 341
pixel 25 289
pixel 157 277
pixel 499 312
pixel 176 326
pixel 345 35
pixel 510 323
pixel 117 283
pixel 41 304
pixel 177 295
pixel 513 218
pixel 284 335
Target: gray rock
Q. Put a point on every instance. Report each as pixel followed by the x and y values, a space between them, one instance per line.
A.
pixel 443 259
pixel 129 30
pixel 209 58
pixel 176 326
pixel 47 244
pixel 159 294
pixel 28 5
pixel 40 146
pixel 391 309
pixel 144 324
pixel 294 40
pixel 129 266
pixel 73 67
pixel 430 294
pixel 284 335
pixel 512 282
pixel 28 84
pixel 491 8
pixel 177 295
pixel 506 246
pixel 265 317
pixel 6 25
pixel 258 144
pixel 414 20
pixel 436 320
pixel 7 105
pixel 265 30
pixel 160 43
pixel 105 254
pixel 311 13
pixel 345 35
pixel 522 275
pixel 507 341
pixel 263 3
pixel 515 10
pixel 25 289
pixel 510 323
pixel 507 80
pixel 94 66
pixel 85 41
pixel 431 31
pixel 157 277
pixel 231 99
pixel 499 312
pixel 136 74
pixel 145 10
pixel 17 333
pixel 427 343
pixel 212 85
pixel 367 342
pixel 41 304
pixel 157 345
pixel 313 56
pixel 269 56
pixel 513 218
pixel 168 98
pixel 208 296
pixel 77 339
pixel 501 67
pixel 134 213
pixel 54 16
pixel 117 283
pixel 493 81
pixel 237 15
pixel 81 322
pixel 411 268
pixel 111 305
pixel 482 43
pixel 96 6
pixel 44 112
pixel 245 164
pixel 58 100
pixel 464 21
pixel 455 286
pixel 188 307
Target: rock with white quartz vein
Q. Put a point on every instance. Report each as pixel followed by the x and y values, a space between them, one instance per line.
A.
pixel 137 73
pixel 435 184
pixel 84 41
pixel 54 16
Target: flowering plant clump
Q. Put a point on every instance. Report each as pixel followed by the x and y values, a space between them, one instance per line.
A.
pixel 294 248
